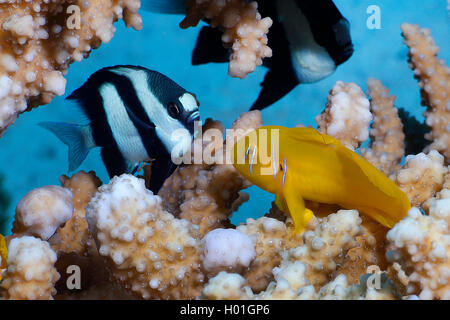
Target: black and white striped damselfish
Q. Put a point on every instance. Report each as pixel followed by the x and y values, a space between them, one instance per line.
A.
pixel 309 40
pixel 133 114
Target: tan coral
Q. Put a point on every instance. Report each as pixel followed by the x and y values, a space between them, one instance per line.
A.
pixel 421 176
pixel 369 251
pixel 74 236
pixel 30 273
pixel 271 238
pixel 245 32
pixel 387 138
pixel 325 247
pixel 42 211
pixel 419 251
pixel 204 194
pixel 40 39
pixel 347 115
pixel 434 81
pixel 152 253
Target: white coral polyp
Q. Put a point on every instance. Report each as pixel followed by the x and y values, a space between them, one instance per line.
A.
pixel 227 249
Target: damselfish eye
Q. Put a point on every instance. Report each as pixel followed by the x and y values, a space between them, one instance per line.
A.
pixel 173 110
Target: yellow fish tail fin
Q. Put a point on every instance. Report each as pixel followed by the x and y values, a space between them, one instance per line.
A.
pixel 295 205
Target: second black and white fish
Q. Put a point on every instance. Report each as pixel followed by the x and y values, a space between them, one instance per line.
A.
pixel 309 39
pixel 135 115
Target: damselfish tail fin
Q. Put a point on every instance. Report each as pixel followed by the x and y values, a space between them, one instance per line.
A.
pixel 74 136
pixel 165 6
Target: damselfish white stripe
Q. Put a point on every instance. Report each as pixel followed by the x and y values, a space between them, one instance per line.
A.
pixel 188 101
pixel 165 125
pixel 311 61
pixel 124 132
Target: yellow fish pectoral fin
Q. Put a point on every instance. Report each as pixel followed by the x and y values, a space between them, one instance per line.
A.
pixel 295 205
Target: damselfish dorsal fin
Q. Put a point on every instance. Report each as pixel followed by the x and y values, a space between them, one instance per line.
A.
pixel 165 6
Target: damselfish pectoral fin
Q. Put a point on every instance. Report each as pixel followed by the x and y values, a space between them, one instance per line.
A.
pixel 295 205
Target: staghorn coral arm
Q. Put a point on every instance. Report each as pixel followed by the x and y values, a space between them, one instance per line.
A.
pixel 244 30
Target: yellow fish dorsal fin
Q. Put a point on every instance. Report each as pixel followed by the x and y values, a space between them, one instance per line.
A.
pixel 351 158
pixel 311 135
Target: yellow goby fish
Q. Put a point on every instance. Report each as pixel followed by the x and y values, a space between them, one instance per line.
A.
pixel 300 163
pixel 3 254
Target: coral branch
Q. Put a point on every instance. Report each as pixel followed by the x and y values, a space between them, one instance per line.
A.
pixel 434 82
pixel 245 33
pixel 347 116
pixel 74 236
pixel 40 41
pixel 387 137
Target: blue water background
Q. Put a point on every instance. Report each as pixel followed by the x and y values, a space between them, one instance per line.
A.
pixel 31 157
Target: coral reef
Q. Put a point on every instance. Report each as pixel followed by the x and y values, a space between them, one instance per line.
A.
pixel 245 32
pixel 434 81
pixel 180 244
pixel 311 270
pixel 347 115
pixel 40 39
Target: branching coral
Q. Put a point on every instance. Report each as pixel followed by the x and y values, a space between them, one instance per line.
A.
pixel 434 82
pixel 421 176
pixel 387 146
pixel 245 33
pixel 347 115
pixel 30 271
pixel 74 236
pixel 152 253
pixel 40 39
pixel 419 250
pixel 42 211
